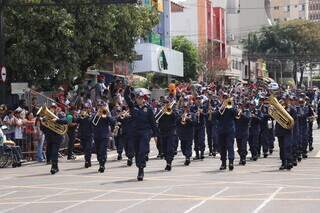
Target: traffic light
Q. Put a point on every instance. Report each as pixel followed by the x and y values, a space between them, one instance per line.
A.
pixel 158 5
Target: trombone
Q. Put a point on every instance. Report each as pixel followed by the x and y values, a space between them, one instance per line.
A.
pixel 102 113
pixel 167 109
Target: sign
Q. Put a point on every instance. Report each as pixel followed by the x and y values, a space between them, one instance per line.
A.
pixel 162 61
pixel 3 74
pixel 19 88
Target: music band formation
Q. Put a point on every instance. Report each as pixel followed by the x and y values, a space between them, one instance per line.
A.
pixel 194 118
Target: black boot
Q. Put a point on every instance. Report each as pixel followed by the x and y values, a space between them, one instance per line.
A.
pixel 223 165
pixel 101 168
pixel 197 157
pixel 231 167
pixel 54 167
pixel 283 166
pixel 202 155
pixel 168 167
pixel 265 155
pixel 187 162
pixel 310 148
pixel 294 162
pixel 271 151
pixel 304 155
pixel 140 174
pixel 299 158
pixel 87 164
pixel 119 157
pixel 129 162
pixel 146 158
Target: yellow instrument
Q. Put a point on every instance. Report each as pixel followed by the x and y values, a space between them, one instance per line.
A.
pixel 165 110
pixel 278 113
pixel 84 114
pixel 49 121
pixel 227 104
pixel 125 114
pixel 102 113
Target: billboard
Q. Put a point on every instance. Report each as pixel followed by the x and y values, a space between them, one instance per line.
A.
pixel 155 58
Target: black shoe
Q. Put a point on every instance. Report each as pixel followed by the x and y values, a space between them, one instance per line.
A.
pixel 168 167
pixel 175 153
pixel 295 163
pixel 197 157
pixel 255 158
pixel 140 174
pixel 214 153
pixel 304 156
pixel 299 158
pixel 311 148
pixel 231 167
pixel 282 167
pixel 147 158
pixel 101 169
pixel 54 168
pixel 210 154
pixel 87 164
pixel 129 162
pixel 242 162
pixel 271 151
pixel 289 166
pixel 71 157
pixel 265 155
pixel 187 162
pixel 119 157
pixel 202 156
pixel 223 166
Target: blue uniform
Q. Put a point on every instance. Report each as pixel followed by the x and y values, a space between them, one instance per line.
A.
pixel 303 114
pixel 285 141
pixel 226 133
pixel 144 126
pixel 167 135
pixel 126 136
pixel 211 124
pixel 186 135
pixel 264 134
pixel 254 132
pixel 101 137
pixel 85 135
pixel 242 133
pixel 199 130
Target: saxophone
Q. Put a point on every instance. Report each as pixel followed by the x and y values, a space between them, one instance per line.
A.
pixel 278 113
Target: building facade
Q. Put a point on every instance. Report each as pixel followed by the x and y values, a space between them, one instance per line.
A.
pixel 285 10
pixel 314 10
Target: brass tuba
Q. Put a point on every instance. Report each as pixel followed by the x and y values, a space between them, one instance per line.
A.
pixel 278 113
pixel 49 121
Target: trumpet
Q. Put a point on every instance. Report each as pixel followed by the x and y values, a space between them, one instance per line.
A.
pixel 116 129
pixel 124 114
pixel 238 116
pixel 84 114
pixel 102 113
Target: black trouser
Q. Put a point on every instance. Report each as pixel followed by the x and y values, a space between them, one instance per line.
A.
pixel 127 141
pixel 285 148
pixel 310 134
pixel 101 149
pixel 168 147
pixel 242 147
pixel 72 137
pixel 119 144
pixel 86 144
pixel 226 142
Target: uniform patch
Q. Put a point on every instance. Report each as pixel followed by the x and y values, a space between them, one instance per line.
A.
pixel 145 109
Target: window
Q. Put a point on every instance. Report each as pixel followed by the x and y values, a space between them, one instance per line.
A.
pixel 302 7
pixel 287 8
pixel 276 8
pixel 276 20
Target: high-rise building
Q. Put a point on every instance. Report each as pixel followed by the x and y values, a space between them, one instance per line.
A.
pixel 285 10
pixel 314 10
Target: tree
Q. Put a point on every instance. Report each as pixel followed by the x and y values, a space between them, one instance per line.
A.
pixel 62 42
pixel 296 41
pixel 190 57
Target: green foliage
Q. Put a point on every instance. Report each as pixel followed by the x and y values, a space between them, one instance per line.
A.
pixel 190 56
pixel 61 42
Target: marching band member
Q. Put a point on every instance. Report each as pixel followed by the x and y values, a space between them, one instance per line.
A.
pixel 199 129
pixel 209 107
pixel 254 131
pixel 226 131
pixel 310 123
pixel 102 122
pixel 264 133
pixel 144 126
pixel 303 127
pixel 53 139
pixel 185 129
pixel 285 138
pixel 242 131
pixel 296 153
pixel 167 133
pixel 85 132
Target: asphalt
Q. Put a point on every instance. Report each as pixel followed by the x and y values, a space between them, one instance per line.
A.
pixel 201 187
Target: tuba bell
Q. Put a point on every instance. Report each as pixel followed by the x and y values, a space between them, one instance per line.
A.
pixel 278 113
pixel 49 122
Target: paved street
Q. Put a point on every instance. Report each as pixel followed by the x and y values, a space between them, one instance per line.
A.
pixel 201 187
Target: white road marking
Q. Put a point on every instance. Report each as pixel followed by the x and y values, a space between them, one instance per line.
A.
pixel 265 202
pixel 204 201
pixel 143 201
pixel 82 202
pixel 28 203
pixel 9 193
